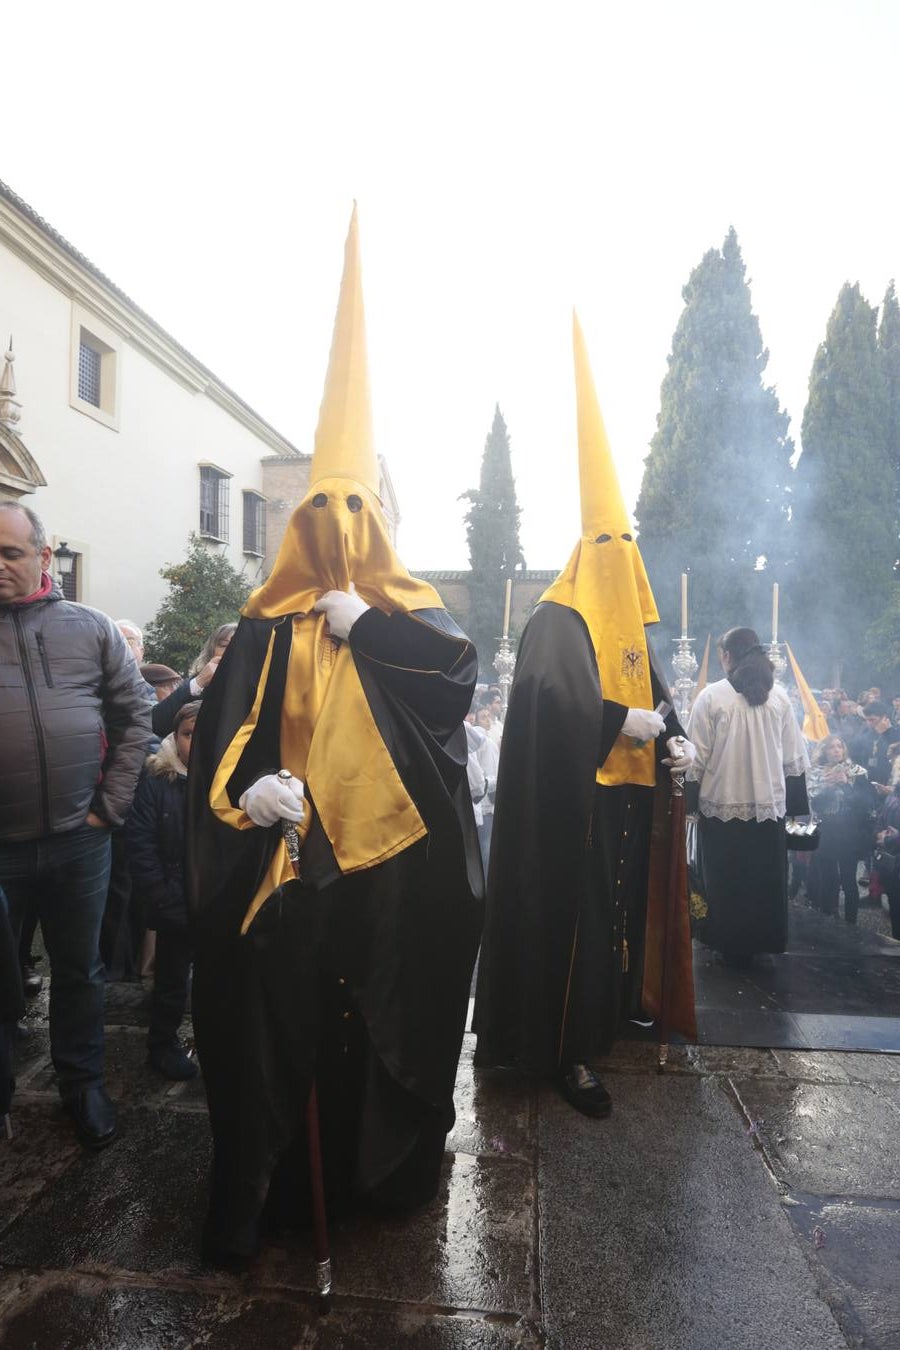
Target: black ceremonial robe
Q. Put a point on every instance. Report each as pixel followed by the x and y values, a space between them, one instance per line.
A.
pixel 361 980
pixel 574 925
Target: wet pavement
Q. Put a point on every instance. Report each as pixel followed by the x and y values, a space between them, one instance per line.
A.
pixel 836 987
pixel 746 1198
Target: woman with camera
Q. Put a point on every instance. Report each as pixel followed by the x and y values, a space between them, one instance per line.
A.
pixel 841 798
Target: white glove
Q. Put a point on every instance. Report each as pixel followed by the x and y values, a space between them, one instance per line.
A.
pixel 341 609
pixel 271 799
pixel 642 724
pixel 682 753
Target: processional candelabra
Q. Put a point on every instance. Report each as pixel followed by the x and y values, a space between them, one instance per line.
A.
pixel 684 664
pixel 773 650
pixel 505 664
pixel 505 659
pixel 778 659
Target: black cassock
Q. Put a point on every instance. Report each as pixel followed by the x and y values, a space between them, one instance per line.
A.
pixel 563 953
pixel 361 980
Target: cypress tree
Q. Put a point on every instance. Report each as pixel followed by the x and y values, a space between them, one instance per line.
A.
pixel 883 636
pixel 715 494
pixel 845 518
pixel 889 352
pixel 492 534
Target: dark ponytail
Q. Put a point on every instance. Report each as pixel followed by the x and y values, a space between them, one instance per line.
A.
pixel 752 673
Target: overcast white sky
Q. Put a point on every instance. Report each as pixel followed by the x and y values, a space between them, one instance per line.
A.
pixel 509 160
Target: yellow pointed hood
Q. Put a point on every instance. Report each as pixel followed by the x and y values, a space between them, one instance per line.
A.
pixel 345 443
pixel 338 533
pixel 605 580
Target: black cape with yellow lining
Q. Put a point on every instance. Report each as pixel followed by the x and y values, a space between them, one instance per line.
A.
pixel 577 926
pixel 358 973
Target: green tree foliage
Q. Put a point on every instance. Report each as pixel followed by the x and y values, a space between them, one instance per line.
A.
pixel 715 494
pixel 204 592
pixel 889 351
pixel 845 516
pixel 492 534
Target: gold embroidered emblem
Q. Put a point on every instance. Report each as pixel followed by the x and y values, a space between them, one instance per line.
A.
pixel 632 664
pixel 328 650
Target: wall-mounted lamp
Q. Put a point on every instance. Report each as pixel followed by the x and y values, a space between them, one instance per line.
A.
pixel 65 559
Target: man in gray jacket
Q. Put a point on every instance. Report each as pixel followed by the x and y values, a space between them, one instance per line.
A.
pixel 74 726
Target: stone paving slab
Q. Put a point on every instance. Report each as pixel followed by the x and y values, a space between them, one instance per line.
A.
pixel 826 1138
pixel 69 1315
pixel 278 1324
pixel 659 1229
pixel 42 1148
pixel 856 1243
pixel 868 1068
pixel 493 1112
pixel 129 1080
pixel 136 1206
pixel 60 1314
pixel 472 1248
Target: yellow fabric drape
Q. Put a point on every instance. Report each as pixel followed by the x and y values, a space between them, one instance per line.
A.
pixel 605 581
pixel 815 724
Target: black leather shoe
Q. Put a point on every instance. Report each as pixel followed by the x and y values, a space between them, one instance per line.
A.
pixel 94 1115
pixel 173 1063
pixel 582 1089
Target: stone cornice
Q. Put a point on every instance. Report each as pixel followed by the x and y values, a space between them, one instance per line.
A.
pixel 58 262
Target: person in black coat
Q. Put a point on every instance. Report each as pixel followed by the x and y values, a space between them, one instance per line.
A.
pixel 156 844
pixel 352 964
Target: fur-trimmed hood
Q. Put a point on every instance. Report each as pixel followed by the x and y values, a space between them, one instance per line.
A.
pixel 165 763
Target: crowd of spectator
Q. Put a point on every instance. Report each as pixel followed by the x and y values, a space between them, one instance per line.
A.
pixel 854 790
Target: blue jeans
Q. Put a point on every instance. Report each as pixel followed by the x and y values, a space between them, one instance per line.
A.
pixel 64 877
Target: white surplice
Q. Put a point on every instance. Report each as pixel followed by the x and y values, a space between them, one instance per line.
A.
pixel 744 754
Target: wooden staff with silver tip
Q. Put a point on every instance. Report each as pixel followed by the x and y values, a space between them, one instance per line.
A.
pixel 676 855
pixel 314 1140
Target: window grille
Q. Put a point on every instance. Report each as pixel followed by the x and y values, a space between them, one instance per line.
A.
pixel 89 374
pixel 254 524
pixel 68 582
pixel 214 513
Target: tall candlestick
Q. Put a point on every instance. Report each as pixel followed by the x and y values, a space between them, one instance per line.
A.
pixel 684 604
pixel 506 607
pixel 774 611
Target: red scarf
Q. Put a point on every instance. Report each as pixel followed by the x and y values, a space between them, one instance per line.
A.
pixel 41 593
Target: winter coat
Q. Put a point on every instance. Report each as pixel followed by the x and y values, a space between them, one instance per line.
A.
pixel 156 838
pixel 74 718
pixel 163 715
pixel 844 810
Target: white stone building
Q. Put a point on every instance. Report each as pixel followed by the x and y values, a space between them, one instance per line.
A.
pixel 119 438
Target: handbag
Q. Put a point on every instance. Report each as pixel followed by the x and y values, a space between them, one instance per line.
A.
pixel 802 838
